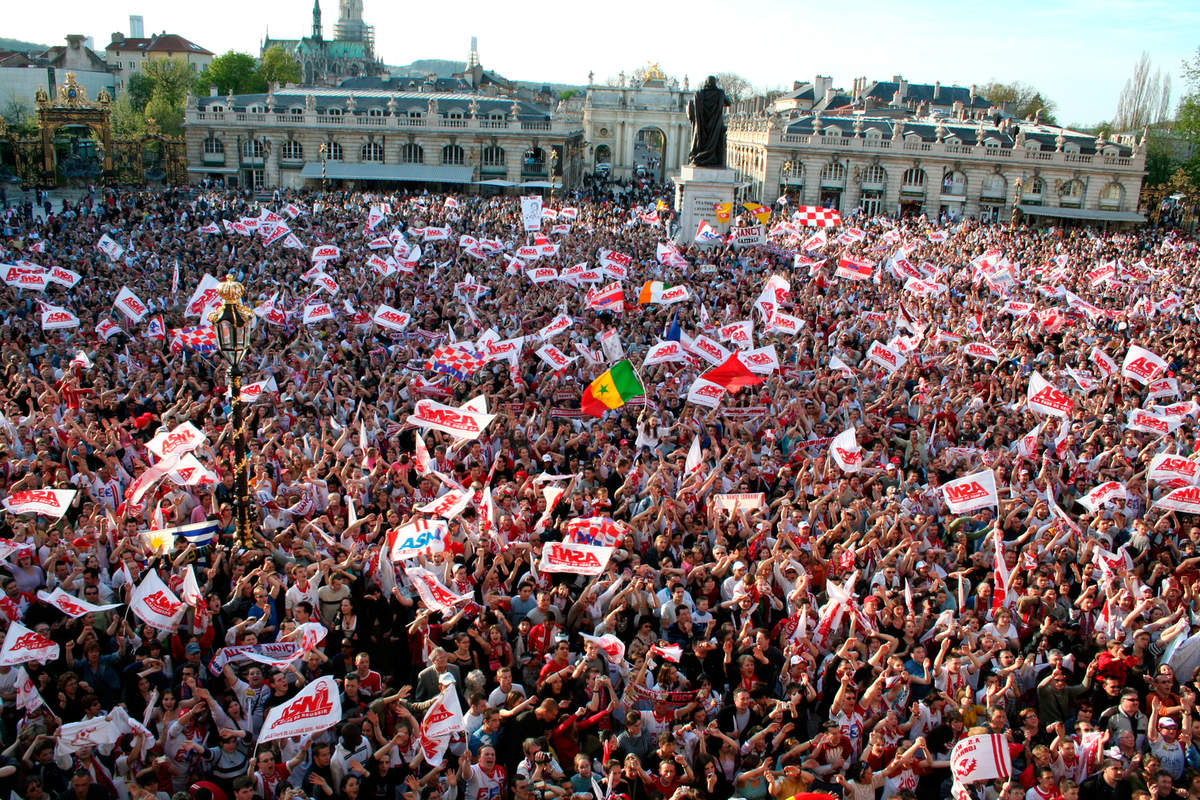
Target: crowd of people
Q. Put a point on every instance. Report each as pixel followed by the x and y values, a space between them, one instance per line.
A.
pixel 771 620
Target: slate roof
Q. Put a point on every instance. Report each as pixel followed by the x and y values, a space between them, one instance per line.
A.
pixel 162 43
pixel 884 91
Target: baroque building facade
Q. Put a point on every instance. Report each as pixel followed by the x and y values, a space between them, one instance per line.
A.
pixel 637 127
pixel 956 165
pixel 307 136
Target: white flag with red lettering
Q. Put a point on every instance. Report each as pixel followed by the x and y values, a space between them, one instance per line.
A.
pixel 1102 494
pixel 444 717
pixel 981 758
pixel 1167 467
pixel 1185 499
pixel 1043 398
pixel 886 357
pixel 49 502
pixel 1142 365
pixel 434 594
pixel 155 604
pixel 574 558
pixel 317 708
pixel 21 645
pixel 70 605
pixel 130 305
pixel 846 452
pixel 971 492
pixel 1103 362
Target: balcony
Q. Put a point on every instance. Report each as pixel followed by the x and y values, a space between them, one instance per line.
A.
pixel 1077 158
pixel 214 159
pixel 535 125
pixel 311 119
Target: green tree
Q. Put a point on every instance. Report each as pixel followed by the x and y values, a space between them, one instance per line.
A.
pixel 170 79
pixel 233 72
pixel 139 90
pixel 1021 100
pixel 278 67
pixel 126 119
pixel 1187 120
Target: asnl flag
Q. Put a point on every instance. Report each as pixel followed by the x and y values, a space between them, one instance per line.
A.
pixel 971 492
pixel 854 269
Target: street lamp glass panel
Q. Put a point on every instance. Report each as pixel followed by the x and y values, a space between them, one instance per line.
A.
pixel 232 334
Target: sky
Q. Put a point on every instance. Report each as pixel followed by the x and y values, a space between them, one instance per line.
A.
pixel 1079 53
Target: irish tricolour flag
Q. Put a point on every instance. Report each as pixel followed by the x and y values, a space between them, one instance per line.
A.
pixel 613 389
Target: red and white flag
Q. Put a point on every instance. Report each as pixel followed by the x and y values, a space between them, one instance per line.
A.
pixel 574 558
pixel 981 758
pixel 109 247
pixel 668 652
pixel 183 438
pixel 434 594
pixel 854 269
pixel 391 318
pixel 662 352
pixel 845 451
pixel 705 393
pixel 1142 365
pixel 155 604
pixel 1094 500
pixel 1141 420
pixel 554 357
pixel 444 717
pixel 252 392
pixel 612 648
pixel 57 318
pixel 48 502
pixel 1103 362
pixel 29 699
pixel 62 275
pixel 130 305
pixel 1185 499
pixel 981 350
pixel 971 492
pixel 891 360
pixel 463 422
pixel 1043 398
pixel 72 606
pixel 316 312
pixel 1167 467
pixel 317 708
pixel 22 644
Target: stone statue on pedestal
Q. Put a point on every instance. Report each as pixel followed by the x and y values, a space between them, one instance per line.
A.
pixel 706 112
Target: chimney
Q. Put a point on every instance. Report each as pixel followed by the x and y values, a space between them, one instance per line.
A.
pixel 136 27
pixel 828 96
pixel 937 89
pixel 212 91
pixel 972 93
pixel 903 89
pixel 117 37
pixel 896 79
pixel 958 109
pixel 821 84
pixel 74 40
pixel 796 85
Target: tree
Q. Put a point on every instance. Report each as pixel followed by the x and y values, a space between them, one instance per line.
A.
pixel 169 79
pixel 1146 98
pixel 278 67
pixel 735 86
pixel 1020 99
pixel 138 91
pixel 1187 120
pixel 231 73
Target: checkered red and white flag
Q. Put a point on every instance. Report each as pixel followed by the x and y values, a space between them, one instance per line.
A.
pixel 816 217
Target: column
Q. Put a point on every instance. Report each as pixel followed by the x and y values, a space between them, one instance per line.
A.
pixel 812 181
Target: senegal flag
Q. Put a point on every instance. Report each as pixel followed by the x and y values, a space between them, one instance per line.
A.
pixel 613 389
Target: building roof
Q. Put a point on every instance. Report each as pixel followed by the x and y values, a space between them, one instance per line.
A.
pixel 55 56
pixel 367 99
pixel 405 83
pixel 12 58
pixel 967 133
pixel 934 94
pixel 161 43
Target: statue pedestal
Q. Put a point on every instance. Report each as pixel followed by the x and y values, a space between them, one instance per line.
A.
pixel 697 191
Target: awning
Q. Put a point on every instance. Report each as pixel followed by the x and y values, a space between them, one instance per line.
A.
pixel 541 185
pixel 1091 214
pixel 218 170
pixel 496 182
pixel 371 171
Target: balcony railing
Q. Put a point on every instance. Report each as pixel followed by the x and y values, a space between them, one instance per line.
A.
pixel 311 119
pixel 957 150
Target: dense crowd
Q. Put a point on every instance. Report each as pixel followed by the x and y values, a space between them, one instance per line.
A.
pixel 772 620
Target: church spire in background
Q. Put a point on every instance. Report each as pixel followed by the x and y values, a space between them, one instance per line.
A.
pixel 316 32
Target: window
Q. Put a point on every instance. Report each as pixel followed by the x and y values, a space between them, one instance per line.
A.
pixel 1035 186
pixel 1032 146
pixel 833 174
pixel 292 150
pixel 375 112
pixel 192 66
pixel 1071 194
pixel 914 177
pixel 296 111
pixel 412 153
pixel 256 109
pixel 990 142
pixel 372 151
pixel 1071 147
pixel 493 156
pixel 952 140
pixel 216 108
pixel 333 151
pixel 873 133
pixel 453 118
pixel 1111 195
pixel 954 183
pixel 994 186
pixel 252 149
pixel 874 175
pixel 415 114
pixel 534 161
pixel 333 112
pixel 453 154
pixel 213 145
pixel 603 155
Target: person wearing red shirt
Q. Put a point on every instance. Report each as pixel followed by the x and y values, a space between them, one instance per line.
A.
pixel 542 634
pixel 369 681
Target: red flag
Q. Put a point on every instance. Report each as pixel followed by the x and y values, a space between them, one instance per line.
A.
pixel 732 375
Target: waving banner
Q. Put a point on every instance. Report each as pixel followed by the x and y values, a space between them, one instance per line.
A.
pixel 1045 399
pixel 846 452
pixel 981 758
pixel 434 594
pixel 971 492
pixel 72 606
pixel 1185 499
pixel 155 604
pixel 575 558
pixel 420 538
pixel 21 645
pixel 49 502
pixel 1167 467
pixel 1094 500
pixel 461 422
pixel 317 708
pixel 1142 365
pixel 130 305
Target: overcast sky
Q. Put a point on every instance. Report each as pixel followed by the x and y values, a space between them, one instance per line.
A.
pixel 1078 53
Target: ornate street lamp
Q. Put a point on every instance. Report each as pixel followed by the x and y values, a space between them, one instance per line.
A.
pixel 232 323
